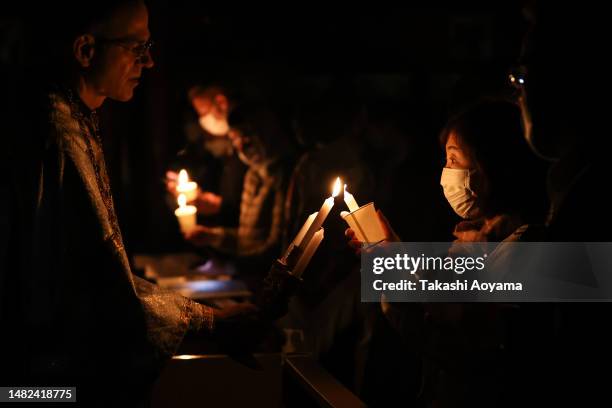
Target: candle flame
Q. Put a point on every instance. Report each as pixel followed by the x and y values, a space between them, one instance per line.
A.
pixel 183 177
pixel 182 200
pixel 337 187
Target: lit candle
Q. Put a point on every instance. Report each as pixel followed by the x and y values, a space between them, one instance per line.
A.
pixel 298 238
pixel 308 253
pixel 296 242
pixel 307 224
pixel 186 214
pixel 186 187
pixel 350 201
pixel 320 217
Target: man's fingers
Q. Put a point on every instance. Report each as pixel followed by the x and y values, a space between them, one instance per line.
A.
pixel 236 310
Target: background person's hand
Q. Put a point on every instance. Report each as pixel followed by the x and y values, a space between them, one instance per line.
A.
pixel 171 182
pixel 208 203
pixel 201 236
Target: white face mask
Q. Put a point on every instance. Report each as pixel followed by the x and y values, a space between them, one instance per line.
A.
pixel 458 192
pixel 213 125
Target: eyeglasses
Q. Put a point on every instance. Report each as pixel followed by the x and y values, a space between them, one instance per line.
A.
pixel 518 77
pixel 138 48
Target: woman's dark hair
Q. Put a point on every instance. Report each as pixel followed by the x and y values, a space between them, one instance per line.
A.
pixel 491 135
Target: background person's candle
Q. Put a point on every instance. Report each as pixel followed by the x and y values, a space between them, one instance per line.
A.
pixel 321 216
pixel 186 214
pixel 186 187
pixel 350 201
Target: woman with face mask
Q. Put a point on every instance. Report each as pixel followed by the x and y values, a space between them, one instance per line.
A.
pixel 496 186
pixel 490 178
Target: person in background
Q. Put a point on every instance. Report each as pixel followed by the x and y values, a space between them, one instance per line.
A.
pixel 566 124
pixel 258 137
pixel 210 158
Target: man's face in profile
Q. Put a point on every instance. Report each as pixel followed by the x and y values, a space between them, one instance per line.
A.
pixel 121 53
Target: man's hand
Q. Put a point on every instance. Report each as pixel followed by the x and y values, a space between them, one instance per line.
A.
pixel 236 310
pixel 208 203
pixel 279 287
pixel 239 328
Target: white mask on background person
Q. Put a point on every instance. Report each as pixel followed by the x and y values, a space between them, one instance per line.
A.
pixel 458 191
pixel 213 125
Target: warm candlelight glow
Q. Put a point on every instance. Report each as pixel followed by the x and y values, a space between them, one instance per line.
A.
pixel 298 254
pixel 184 186
pixel 183 178
pixel 350 200
pixel 182 200
pixel 186 214
pixel 337 186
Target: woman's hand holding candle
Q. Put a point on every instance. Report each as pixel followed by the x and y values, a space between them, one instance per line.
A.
pixel 356 245
pixel 364 222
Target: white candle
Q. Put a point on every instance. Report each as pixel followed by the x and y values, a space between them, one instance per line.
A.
pixel 186 187
pixel 300 235
pixel 308 253
pixel 350 201
pixel 307 224
pixel 320 217
pixel 186 214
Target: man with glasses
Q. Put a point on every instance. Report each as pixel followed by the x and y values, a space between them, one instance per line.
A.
pixel 112 57
pixel 563 87
pixel 83 318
